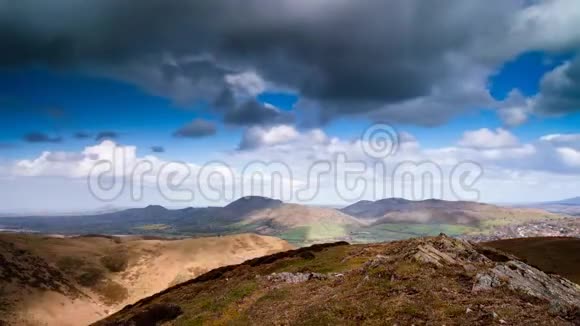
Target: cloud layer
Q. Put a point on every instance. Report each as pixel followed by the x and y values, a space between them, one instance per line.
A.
pixel 520 170
pixel 198 128
pixel 488 139
pixel 395 61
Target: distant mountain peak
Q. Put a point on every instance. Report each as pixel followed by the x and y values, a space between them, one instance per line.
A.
pixel 568 201
pixel 433 200
pixel 417 211
pixel 249 204
pixel 364 201
pixel 393 200
pixel 577 198
pixel 246 199
pixel 256 198
pixel 156 207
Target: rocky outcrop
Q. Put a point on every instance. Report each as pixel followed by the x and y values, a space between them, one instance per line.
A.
pixel 491 269
pixel 428 254
pixel 294 278
pixel 496 269
pixel 563 295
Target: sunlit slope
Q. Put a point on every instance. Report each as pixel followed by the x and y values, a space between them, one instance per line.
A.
pixel 86 278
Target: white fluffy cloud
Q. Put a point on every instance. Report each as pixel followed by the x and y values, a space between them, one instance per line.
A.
pixel 523 171
pixel 124 161
pixel 488 139
pixel 515 109
pixel 69 164
pixel 256 137
pixel 512 171
pixel 514 116
pixel 246 83
pixel 493 148
pixel 569 156
pixel 565 140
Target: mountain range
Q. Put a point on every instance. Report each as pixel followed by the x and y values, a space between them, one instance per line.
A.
pixel 364 221
pixel 569 206
pixel 397 210
pixel 569 201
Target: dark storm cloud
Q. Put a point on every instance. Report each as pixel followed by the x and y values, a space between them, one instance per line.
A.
pixel 39 137
pixel 196 129
pixel 106 135
pixel 255 113
pixel 350 56
pixel 157 149
pixel 560 90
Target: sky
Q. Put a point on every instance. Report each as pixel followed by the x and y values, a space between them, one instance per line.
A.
pixel 484 97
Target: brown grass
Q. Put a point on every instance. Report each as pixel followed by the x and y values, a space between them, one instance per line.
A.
pixel 90 276
pixel 400 291
pixel 115 262
pixel 111 292
pixel 70 264
pixel 111 271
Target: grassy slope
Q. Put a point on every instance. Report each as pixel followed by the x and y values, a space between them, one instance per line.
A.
pixel 81 260
pixel 401 292
pixel 555 255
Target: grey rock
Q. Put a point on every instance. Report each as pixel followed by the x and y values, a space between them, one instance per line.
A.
pixel 485 282
pixel 561 293
pixel 428 254
pixel 377 261
pixel 495 271
pixel 294 278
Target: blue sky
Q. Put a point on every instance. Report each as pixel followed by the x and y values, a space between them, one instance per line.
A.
pixel 91 105
pixel 506 96
pixel 63 103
